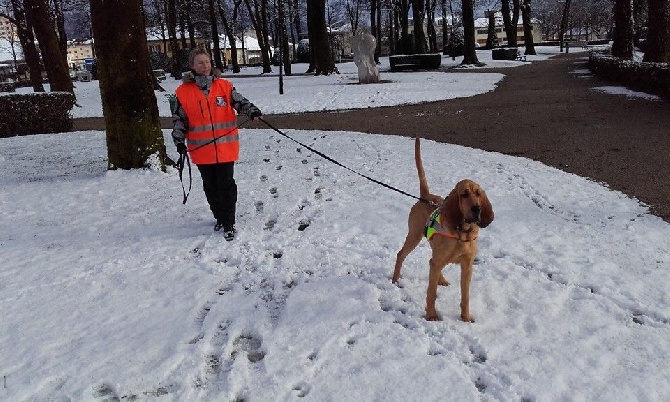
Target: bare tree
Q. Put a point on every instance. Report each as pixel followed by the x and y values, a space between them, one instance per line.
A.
pixel 510 21
pixel 59 23
pixel 469 46
pixel 171 23
pixel 431 5
pixel 527 28
pixel 376 25
pixel 318 38
pixel 55 62
pixel 564 24
pixel 25 33
pixel 404 45
pixel 258 12
pixel 622 46
pixel 352 10
pixel 419 14
pixel 229 27
pixel 126 85
pixel 491 37
pixel 282 36
pixel 214 25
pixel 657 47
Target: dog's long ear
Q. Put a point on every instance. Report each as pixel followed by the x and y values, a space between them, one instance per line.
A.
pixel 452 209
pixel 487 211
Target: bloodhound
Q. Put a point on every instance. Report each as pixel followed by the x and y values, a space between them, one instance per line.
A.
pixel 451 227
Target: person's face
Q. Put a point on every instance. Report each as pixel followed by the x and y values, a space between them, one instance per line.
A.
pixel 202 65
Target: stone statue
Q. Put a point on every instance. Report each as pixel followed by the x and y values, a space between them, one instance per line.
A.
pixel 363 46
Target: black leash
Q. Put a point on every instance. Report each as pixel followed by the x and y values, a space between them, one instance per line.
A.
pixel 180 166
pixel 328 158
pixel 184 159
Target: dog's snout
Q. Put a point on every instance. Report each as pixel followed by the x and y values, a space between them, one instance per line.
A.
pixel 476 209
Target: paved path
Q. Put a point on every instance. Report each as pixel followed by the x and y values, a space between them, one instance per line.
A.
pixel 543 111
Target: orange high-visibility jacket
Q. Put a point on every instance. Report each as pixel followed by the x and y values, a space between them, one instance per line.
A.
pixel 212 135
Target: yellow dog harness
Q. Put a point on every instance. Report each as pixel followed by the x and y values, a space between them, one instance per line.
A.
pixel 434 226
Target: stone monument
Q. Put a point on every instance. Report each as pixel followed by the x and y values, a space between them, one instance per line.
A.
pixel 363 46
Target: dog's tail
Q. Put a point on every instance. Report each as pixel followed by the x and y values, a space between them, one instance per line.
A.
pixel 423 183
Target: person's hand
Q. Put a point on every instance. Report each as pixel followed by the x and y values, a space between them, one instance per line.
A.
pixel 255 114
pixel 181 148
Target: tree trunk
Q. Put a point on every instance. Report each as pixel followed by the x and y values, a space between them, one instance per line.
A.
pixel 469 46
pixel 405 45
pixel 319 44
pixel 25 33
pixel 564 24
pixel 445 32
pixel 622 46
pixel 55 63
pixel 516 7
pixel 510 28
pixel 430 26
pixel 657 47
pixel 185 16
pixel 215 35
pixel 527 28
pixel 491 37
pixel 419 13
pixel 374 4
pixel 259 20
pixel 134 135
pixel 171 22
pixel 60 25
pixel 393 31
pixel 283 38
pixel 230 34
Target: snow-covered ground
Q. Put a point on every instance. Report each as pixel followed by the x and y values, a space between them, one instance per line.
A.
pixel 111 288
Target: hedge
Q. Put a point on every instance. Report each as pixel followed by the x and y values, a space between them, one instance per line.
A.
pixel 35 113
pixel 427 61
pixel 653 78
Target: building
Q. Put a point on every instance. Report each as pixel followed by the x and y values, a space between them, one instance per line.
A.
pixel 7 30
pixel 79 52
pixel 482 31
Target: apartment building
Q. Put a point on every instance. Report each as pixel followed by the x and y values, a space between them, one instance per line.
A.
pixel 7 30
pixel 482 30
pixel 79 52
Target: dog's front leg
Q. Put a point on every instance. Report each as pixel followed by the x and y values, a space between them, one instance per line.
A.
pixel 434 277
pixel 466 277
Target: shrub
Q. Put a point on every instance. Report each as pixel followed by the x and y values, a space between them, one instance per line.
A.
pixel 7 87
pixel 455 44
pixel 35 113
pixel 653 78
pixel 426 61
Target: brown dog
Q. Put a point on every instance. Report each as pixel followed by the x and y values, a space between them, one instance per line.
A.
pixel 452 226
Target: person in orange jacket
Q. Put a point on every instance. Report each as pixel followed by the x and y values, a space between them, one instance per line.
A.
pixel 205 125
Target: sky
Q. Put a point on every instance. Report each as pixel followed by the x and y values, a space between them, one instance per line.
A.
pixel 111 289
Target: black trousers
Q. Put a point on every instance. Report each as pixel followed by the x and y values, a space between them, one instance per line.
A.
pixel 220 190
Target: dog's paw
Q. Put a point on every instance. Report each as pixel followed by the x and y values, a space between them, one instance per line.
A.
pixel 467 318
pixel 432 316
pixel 443 281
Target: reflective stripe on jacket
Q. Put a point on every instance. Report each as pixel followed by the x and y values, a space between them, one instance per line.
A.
pixel 212 135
